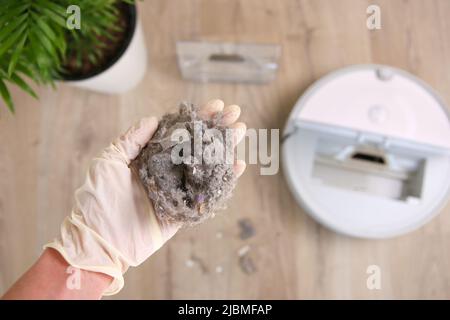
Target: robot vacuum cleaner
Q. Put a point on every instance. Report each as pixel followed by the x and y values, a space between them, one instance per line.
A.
pixel 366 151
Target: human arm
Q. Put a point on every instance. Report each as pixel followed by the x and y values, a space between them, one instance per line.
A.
pixel 52 278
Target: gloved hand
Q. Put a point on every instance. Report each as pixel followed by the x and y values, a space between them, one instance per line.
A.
pixel 113 225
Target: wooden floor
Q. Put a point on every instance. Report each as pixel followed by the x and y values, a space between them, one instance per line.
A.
pixel 46 147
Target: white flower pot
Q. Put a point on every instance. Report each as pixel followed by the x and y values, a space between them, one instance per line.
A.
pixel 123 72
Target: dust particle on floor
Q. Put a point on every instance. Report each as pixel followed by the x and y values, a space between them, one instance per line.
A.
pixel 243 250
pixel 247 265
pixel 197 261
pixel 246 229
pixel 189 263
pixel 219 269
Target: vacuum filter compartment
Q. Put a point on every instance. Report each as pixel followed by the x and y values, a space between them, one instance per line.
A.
pixel 364 173
pixel 368 169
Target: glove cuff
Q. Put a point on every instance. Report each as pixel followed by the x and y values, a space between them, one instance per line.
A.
pixel 84 249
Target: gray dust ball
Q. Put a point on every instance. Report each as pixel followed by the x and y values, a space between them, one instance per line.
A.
pixel 247 229
pixel 189 190
pixel 247 265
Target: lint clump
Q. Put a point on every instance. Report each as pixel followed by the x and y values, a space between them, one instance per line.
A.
pixel 190 190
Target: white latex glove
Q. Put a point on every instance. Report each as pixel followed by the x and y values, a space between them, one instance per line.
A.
pixel 113 225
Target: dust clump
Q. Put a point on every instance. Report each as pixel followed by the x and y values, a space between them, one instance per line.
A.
pixel 247 229
pixel 247 265
pixel 189 190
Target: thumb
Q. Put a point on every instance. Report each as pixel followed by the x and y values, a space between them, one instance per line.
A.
pixel 131 142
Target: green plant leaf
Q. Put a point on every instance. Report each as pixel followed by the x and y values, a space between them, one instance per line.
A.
pixel 7 15
pixel 23 85
pixel 54 17
pixel 4 92
pixel 16 55
pixel 12 27
pixel 61 10
pixel 12 40
pixel 26 70
pixel 45 43
pixel 49 33
pixel 42 61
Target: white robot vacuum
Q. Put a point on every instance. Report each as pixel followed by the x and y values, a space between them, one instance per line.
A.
pixel 366 151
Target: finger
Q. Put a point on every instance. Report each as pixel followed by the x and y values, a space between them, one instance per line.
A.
pixel 239 168
pixel 230 115
pixel 212 107
pixel 239 129
pixel 132 141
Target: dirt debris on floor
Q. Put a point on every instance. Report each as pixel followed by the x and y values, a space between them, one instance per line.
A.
pixel 247 230
pixel 194 261
pixel 246 263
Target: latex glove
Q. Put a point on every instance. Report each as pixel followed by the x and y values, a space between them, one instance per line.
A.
pixel 113 225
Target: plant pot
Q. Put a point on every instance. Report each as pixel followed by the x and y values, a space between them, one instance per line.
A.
pixel 125 70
